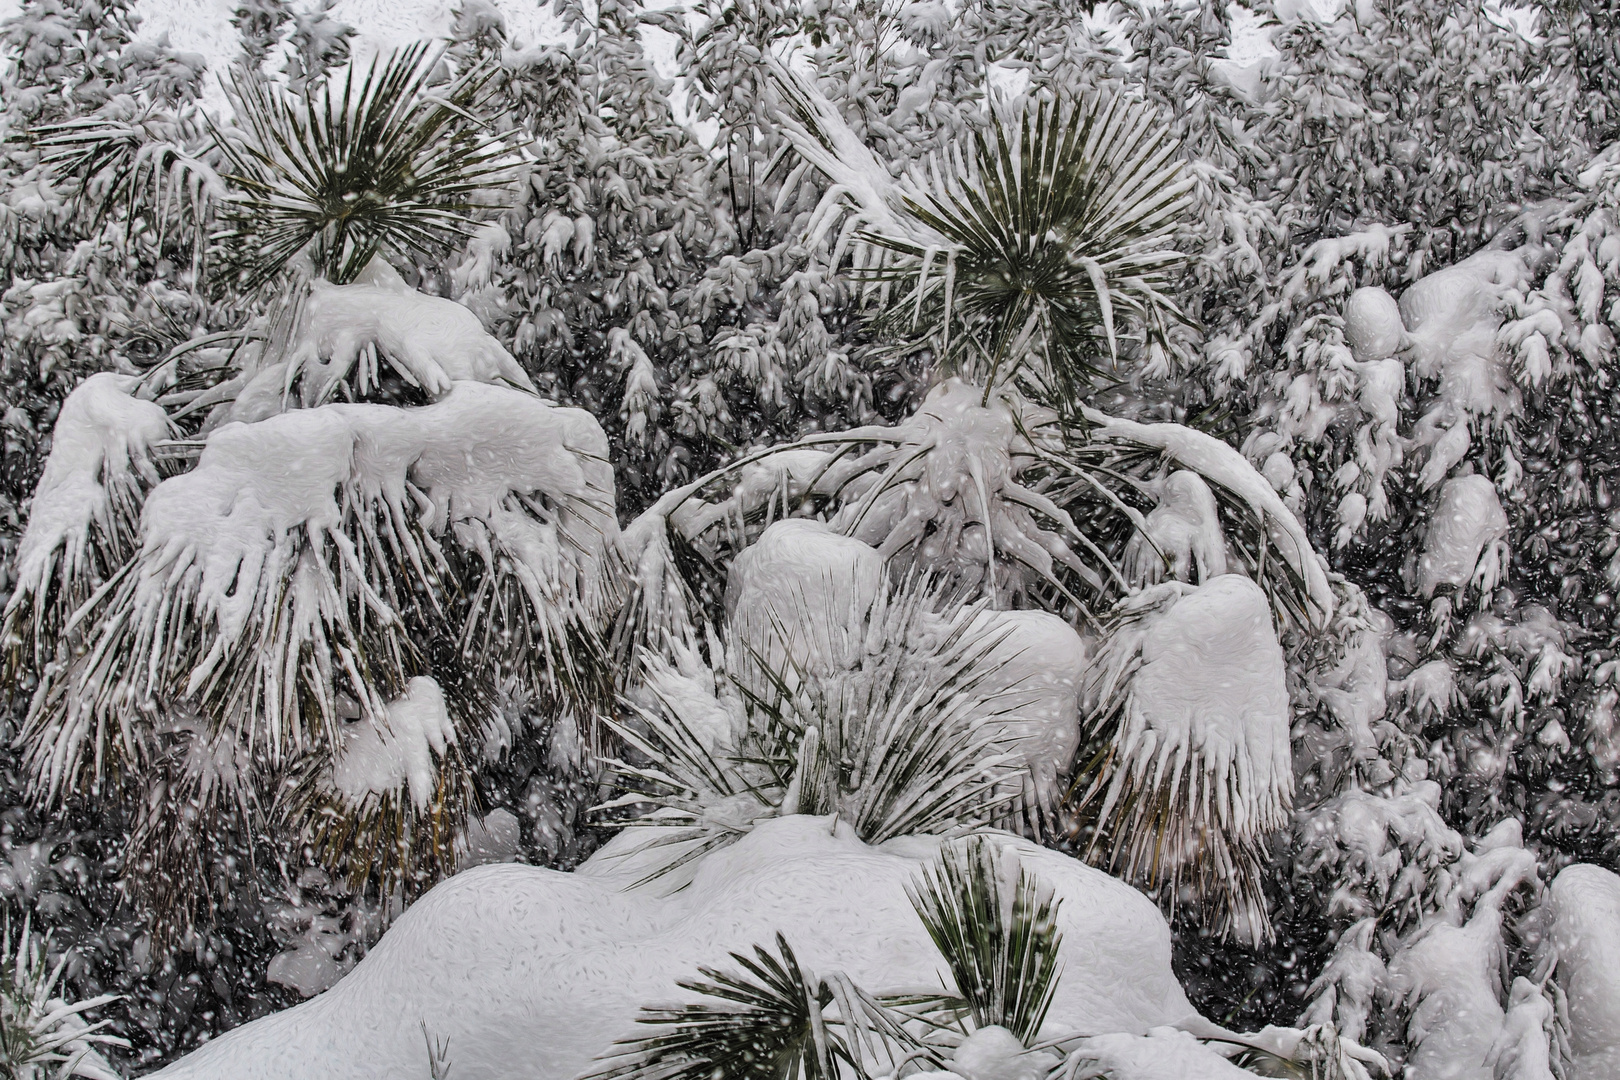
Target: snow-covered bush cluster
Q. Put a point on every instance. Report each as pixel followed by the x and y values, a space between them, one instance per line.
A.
pixel 1177 434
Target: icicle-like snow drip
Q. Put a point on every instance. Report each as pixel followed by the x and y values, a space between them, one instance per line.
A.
pixel 1190 703
pixel 1183 535
pixel 287 569
pixel 1586 933
pixel 1224 467
pixel 1467 542
pixel 83 522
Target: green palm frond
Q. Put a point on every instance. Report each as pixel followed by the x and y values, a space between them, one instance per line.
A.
pixel 1052 236
pixel 1030 260
pixel 770 1022
pixel 384 165
pixel 997 929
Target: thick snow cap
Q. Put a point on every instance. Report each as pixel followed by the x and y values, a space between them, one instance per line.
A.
pixel 530 973
pixel 1372 325
pixel 800 595
pixel 1586 930
pixel 1468 520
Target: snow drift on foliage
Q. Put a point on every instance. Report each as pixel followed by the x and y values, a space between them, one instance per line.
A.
pixel 432 343
pixel 1182 535
pixel 279 573
pixel 80 526
pixel 1467 541
pixel 1586 933
pixel 798 599
pixel 1188 705
pixel 376 760
pixel 530 973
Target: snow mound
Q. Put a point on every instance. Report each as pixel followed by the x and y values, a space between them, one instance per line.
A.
pixel 1467 538
pixel 801 593
pixel 530 973
pixel 1160 1054
pixel 1032 679
pixel 1586 930
pixel 1372 325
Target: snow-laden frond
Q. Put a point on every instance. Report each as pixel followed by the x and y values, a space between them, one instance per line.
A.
pixel 1025 261
pixel 278 583
pixel 1303 593
pixel 385 165
pixel 130 165
pixel 1190 769
pixel 41 1034
pixel 82 527
pixel 339 336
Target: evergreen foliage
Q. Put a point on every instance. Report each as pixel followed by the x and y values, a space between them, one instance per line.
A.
pixel 660 254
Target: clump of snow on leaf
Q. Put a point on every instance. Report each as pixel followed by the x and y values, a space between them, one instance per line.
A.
pixel 376 759
pixel 287 562
pixel 1189 702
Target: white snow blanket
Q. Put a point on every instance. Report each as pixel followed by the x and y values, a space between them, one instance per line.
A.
pixel 1033 676
pixel 1586 930
pixel 529 973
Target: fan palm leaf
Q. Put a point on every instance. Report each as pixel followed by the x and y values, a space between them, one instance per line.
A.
pixel 1023 262
pixel 997 929
pixel 1056 230
pixel 770 1022
pixel 383 165
pixel 151 167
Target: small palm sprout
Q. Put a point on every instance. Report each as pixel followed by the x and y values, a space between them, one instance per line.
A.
pixel 385 165
pixel 42 1035
pixel 895 745
pixel 1022 263
pixel 774 1025
pixel 996 926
